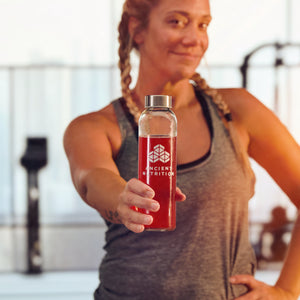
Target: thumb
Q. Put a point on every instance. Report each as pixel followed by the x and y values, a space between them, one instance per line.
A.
pixel 247 280
pixel 179 195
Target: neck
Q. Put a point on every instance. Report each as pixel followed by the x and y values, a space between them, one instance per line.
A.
pixel 182 91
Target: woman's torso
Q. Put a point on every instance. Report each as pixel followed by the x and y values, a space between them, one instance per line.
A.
pixel 210 242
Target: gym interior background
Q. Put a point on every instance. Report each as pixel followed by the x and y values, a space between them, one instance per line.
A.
pixel 59 60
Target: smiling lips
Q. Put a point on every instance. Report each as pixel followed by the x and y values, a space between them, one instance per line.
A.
pixel 186 54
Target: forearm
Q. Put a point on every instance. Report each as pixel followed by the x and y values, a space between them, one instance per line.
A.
pixel 289 279
pixel 102 189
pixel 113 197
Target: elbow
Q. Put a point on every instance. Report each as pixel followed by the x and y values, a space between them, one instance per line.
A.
pixel 80 183
pixel 84 185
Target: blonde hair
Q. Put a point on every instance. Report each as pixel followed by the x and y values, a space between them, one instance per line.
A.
pixel 140 10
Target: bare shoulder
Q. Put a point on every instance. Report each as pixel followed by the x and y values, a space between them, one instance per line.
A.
pixel 251 114
pixel 95 127
pixel 97 119
pixel 240 101
pixel 249 110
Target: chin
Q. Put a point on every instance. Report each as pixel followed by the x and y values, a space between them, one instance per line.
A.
pixel 183 74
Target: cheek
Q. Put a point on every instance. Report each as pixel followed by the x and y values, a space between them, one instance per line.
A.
pixel 168 41
pixel 158 41
pixel 205 42
pixel 167 38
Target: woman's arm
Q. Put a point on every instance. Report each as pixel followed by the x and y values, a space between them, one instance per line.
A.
pixel 287 286
pixel 289 278
pixel 90 142
pixel 273 147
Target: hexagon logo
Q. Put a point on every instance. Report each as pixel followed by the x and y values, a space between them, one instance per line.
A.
pixel 159 154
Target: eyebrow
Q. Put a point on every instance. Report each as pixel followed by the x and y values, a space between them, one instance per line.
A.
pixel 206 16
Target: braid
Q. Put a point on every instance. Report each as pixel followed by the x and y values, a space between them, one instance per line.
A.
pixel 139 9
pixel 216 97
pixel 125 48
pixel 225 112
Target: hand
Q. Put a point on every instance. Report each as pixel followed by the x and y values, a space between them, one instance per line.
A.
pixel 140 195
pixel 260 290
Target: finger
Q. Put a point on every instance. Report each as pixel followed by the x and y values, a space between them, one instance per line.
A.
pixel 136 186
pixel 136 228
pixel 132 199
pixel 135 221
pixel 247 280
pixel 129 215
pixel 179 195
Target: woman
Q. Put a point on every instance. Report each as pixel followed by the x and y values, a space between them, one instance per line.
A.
pixel 208 256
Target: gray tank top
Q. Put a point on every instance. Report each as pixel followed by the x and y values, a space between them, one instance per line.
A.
pixel 210 242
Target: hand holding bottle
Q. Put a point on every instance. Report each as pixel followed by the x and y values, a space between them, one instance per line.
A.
pixel 157 158
pixel 139 195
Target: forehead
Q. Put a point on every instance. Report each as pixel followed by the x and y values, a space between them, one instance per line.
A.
pixel 193 7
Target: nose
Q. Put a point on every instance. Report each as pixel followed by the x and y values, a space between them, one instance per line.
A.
pixel 194 36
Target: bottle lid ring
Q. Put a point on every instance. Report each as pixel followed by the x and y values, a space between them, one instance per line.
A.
pixel 158 101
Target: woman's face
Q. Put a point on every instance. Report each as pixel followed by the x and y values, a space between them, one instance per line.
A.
pixel 175 39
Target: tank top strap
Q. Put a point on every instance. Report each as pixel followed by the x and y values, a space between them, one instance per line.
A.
pixel 203 101
pixel 125 118
pixel 215 123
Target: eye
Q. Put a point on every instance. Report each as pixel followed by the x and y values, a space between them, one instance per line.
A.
pixel 203 26
pixel 174 21
pixel 177 22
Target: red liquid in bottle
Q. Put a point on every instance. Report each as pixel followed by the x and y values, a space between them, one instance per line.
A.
pixel 157 168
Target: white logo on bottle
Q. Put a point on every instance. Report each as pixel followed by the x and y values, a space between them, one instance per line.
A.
pixel 159 154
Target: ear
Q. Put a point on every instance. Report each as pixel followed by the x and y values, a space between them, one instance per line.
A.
pixel 135 31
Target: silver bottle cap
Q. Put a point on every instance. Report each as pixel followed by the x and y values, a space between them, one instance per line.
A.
pixel 158 101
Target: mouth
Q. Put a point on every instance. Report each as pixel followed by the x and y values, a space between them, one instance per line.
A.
pixel 186 55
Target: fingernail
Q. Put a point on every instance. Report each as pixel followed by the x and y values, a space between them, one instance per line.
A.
pixel 148 220
pixel 155 206
pixel 232 279
pixel 140 228
pixel 149 194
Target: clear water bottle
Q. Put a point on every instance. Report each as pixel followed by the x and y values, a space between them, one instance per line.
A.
pixel 157 158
